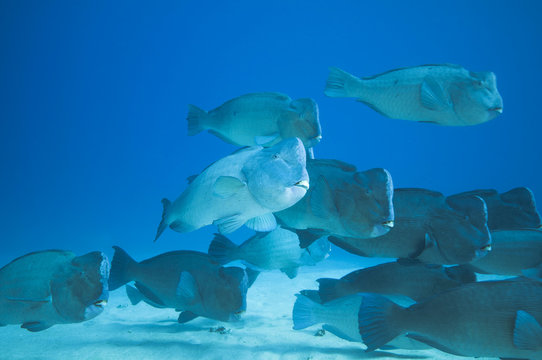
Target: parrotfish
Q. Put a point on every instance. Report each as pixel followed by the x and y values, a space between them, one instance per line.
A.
pixel 44 288
pixel 259 119
pixel 244 188
pixel 443 94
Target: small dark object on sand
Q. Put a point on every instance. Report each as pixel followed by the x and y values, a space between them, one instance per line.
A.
pixel 220 329
pixel 320 332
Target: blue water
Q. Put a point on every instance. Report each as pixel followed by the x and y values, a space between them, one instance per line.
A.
pixel 94 95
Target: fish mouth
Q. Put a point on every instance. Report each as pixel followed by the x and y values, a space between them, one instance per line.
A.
pixel 303 183
pixel 486 248
pixel 496 109
pixel 100 303
pixel 389 223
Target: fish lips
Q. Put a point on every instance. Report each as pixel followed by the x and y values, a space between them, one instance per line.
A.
pixel 96 308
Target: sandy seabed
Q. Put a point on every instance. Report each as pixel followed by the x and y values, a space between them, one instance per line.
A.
pixel 124 331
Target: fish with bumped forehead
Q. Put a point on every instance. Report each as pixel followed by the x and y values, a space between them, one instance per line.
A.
pixel 244 188
pixel 187 281
pixel 259 119
pixel 44 288
pixel 343 201
pixel 430 227
pixel 444 94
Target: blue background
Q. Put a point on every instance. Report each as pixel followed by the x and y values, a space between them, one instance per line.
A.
pixel 94 95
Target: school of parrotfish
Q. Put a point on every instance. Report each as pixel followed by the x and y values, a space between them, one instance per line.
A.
pixel 428 297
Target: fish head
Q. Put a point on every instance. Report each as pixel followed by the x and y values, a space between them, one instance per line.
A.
pixel 461 231
pixel 277 176
pixel 518 211
pixel 303 122
pixel 478 99
pixel 228 301
pixel 81 291
pixel 365 205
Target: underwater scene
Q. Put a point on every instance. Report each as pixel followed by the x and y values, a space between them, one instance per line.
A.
pixel 303 180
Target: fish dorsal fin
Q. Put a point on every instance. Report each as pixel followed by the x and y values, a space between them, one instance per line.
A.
pixel 433 96
pixel 262 223
pixel 229 224
pixel 264 140
pixel 186 316
pixel 187 288
pixel 527 332
pixel 191 178
pixel 321 200
pixel 227 186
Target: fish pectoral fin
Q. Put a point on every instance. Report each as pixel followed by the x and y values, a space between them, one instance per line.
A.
pixel 337 332
pixel 527 332
pixel 266 140
pixel 186 316
pixel 229 224
pixel 321 200
pixel 227 186
pixel 35 326
pixel 434 344
pixel 291 272
pixel 30 300
pixel 187 288
pixel 433 96
pixel 150 295
pixel 262 223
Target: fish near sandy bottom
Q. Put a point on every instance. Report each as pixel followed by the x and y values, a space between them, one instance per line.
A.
pixel 277 250
pixel 490 318
pixel 514 252
pixel 343 201
pixel 514 209
pixel 259 119
pixel 429 227
pixel 444 94
pixel 403 281
pixel 244 188
pixel 44 288
pixel 340 317
pixel 187 281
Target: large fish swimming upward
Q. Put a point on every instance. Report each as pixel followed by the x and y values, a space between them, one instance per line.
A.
pixel 499 319
pixel 44 288
pixel 188 281
pixel 259 119
pixel 245 187
pixel 443 94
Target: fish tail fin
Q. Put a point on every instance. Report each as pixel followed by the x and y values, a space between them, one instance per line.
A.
pixel 339 83
pixel 121 268
pixel 134 295
pixel 222 249
pixel 377 321
pixel 164 222
pixel 303 313
pixel 194 117
pixel 330 289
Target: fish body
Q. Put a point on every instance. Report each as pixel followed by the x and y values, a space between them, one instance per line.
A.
pixel 404 282
pixel 429 227
pixel 343 201
pixel 443 94
pixel 259 119
pixel 490 318
pixel 514 209
pixel 187 281
pixel 339 316
pixel 513 252
pixel 44 288
pixel 277 250
pixel 245 187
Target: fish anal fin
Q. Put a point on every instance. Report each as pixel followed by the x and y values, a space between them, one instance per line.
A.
pixel 35 326
pixel 262 223
pixel 229 224
pixel 148 293
pixel 186 316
